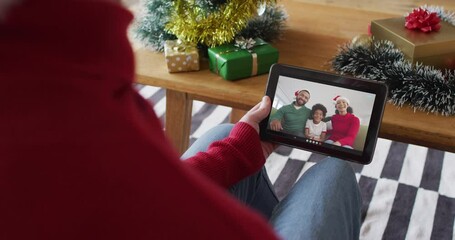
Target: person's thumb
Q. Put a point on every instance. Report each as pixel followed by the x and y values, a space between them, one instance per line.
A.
pixel 264 108
pixel 257 113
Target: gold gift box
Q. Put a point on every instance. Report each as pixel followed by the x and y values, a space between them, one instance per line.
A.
pixel 433 48
pixel 181 57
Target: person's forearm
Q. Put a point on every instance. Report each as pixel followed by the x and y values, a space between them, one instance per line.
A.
pixel 232 159
pixel 323 135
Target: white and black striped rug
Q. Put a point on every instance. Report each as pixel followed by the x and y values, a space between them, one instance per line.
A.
pixel 408 191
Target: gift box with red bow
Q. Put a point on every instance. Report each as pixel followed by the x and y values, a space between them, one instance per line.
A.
pixel 421 36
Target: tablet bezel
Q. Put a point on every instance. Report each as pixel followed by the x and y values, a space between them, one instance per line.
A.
pixel 304 74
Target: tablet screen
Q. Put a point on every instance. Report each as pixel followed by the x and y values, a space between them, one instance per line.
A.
pixel 330 114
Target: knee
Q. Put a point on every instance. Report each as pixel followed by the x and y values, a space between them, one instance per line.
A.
pixel 336 164
pixel 340 176
pixel 334 174
pixel 202 143
pixel 224 127
pixel 337 168
pixel 220 131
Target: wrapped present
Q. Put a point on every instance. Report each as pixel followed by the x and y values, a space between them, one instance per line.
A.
pixel 181 57
pixel 245 58
pixel 435 48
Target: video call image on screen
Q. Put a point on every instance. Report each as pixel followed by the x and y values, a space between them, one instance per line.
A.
pixel 321 114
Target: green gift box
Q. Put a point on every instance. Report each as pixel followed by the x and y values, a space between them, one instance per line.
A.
pixel 434 48
pixel 244 59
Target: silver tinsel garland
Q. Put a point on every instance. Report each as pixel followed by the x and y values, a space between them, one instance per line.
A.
pixel 423 87
pixel 447 16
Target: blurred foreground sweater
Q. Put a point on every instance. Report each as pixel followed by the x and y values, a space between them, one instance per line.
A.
pixel 83 156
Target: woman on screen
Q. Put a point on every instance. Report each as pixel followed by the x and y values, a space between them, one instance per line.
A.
pixel 345 125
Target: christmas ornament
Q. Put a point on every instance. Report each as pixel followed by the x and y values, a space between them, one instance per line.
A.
pixel 362 40
pixel 261 8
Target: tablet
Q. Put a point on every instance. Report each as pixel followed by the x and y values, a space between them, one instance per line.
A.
pixel 322 112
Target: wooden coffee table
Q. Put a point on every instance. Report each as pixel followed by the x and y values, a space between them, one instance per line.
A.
pixel 311 40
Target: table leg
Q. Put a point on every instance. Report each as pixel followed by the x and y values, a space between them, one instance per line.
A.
pixel 236 115
pixel 178 118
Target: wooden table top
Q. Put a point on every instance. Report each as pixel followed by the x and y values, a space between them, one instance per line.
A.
pixel 314 33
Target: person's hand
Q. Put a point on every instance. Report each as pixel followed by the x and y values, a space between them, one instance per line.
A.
pixel 257 113
pixel 275 125
pixel 337 143
pixel 255 116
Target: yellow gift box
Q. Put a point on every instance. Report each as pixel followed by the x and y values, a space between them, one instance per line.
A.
pixel 433 48
pixel 181 57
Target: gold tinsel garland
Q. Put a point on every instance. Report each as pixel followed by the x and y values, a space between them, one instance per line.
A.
pixel 192 24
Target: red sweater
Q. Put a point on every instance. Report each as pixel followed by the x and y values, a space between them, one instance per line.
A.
pixel 344 128
pixel 82 155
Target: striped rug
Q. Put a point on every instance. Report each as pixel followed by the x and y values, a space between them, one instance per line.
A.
pixel 408 191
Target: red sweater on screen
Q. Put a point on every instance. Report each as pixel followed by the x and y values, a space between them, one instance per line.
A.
pixel 83 156
pixel 344 128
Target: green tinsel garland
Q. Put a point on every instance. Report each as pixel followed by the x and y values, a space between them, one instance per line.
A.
pixel 190 23
pixel 150 27
pixel 268 26
pixel 423 87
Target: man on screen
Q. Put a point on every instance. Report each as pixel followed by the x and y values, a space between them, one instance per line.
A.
pixel 292 118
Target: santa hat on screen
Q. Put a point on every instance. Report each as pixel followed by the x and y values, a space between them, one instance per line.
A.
pixel 335 99
pixel 298 92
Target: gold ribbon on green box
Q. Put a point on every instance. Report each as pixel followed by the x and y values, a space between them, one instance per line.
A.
pixel 245 58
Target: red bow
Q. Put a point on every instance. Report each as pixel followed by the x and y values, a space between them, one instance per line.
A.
pixel 423 20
